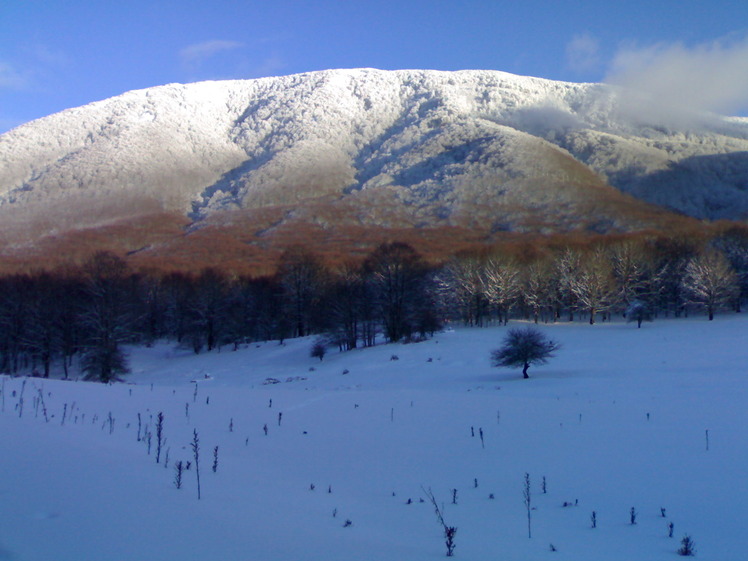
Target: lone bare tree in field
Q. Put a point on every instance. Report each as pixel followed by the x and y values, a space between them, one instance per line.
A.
pixel 522 347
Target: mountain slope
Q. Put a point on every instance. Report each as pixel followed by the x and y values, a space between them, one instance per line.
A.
pixel 471 149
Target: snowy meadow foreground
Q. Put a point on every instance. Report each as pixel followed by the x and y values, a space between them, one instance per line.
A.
pixel 334 461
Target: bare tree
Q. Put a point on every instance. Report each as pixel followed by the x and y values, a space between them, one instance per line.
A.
pixel 567 266
pixel 710 281
pixel 42 336
pixel 594 286
pixel 301 274
pixel 107 317
pixel 637 275
pixel 208 295
pixel 522 347
pixel 397 277
pixel 537 287
pixel 461 285
pixel 673 255
pixel 14 325
pixel 733 243
pixel 345 305
pixel 502 285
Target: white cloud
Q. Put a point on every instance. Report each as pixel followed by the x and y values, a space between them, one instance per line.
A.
pixel 10 78
pixel 194 55
pixel 710 77
pixel 583 53
pixel 50 57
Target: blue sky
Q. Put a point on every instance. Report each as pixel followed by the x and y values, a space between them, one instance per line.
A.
pixel 59 54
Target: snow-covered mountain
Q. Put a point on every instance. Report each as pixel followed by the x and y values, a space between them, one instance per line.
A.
pixel 370 147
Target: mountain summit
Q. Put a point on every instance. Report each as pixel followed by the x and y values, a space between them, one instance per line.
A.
pixel 479 150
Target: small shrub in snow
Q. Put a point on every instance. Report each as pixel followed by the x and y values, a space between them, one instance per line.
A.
pixel 394 357
pixel 196 454
pixel 632 515
pixel 215 459
pixel 159 435
pixel 687 547
pixel 449 531
pixel 670 528
pixel 638 311
pixel 593 519
pixel 528 501
pixel 319 349
pixel 178 468
pixel 449 537
pixel 347 523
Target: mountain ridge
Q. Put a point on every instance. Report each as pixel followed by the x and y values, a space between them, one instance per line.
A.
pixel 407 148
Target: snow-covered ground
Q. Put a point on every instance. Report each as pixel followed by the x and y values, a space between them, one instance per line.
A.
pixel 617 420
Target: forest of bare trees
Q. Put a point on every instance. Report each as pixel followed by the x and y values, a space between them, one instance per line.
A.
pixel 76 321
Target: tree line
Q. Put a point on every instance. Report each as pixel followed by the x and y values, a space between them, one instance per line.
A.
pixel 77 319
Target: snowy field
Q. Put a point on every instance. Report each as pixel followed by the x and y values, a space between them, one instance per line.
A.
pixel 617 420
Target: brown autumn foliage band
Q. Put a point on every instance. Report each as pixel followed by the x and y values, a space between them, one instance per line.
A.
pixel 252 245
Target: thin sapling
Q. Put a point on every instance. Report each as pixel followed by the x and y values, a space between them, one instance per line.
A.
pixel 196 455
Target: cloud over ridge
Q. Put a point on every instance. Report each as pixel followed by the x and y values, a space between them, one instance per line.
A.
pixel 197 53
pixel 708 77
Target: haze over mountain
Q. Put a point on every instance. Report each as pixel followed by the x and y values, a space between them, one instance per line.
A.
pixel 479 150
